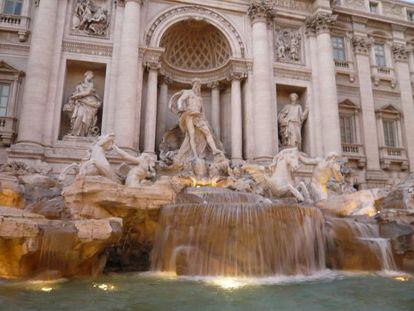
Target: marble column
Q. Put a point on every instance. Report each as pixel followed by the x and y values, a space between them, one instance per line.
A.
pixel 151 107
pixel 320 23
pixel 162 107
pixel 236 119
pixel 215 107
pixel 362 48
pixel 401 53
pixel 127 81
pixel 264 113
pixel 38 73
pixel 316 149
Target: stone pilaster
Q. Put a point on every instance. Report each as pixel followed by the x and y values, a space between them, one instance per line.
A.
pixel 362 48
pixel 38 74
pixel 126 106
pixel 153 67
pixel 215 107
pixel 401 55
pixel 260 13
pixel 320 24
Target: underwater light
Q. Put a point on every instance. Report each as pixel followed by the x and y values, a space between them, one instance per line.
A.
pixel 104 287
pixel 46 289
pixel 402 278
pixel 228 283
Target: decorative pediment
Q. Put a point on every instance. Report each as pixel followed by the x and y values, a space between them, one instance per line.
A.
pixel 389 109
pixel 348 104
pixel 8 70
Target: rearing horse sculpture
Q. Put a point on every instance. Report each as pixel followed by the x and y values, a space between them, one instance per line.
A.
pixel 278 178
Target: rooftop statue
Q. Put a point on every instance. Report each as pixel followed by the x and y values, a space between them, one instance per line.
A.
pixel 290 120
pixel 82 108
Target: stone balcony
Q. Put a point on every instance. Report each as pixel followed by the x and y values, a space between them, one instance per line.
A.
pixel 354 152
pixel 345 67
pixel 393 155
pixel 383 73
pixel 8 130
pixel 15 23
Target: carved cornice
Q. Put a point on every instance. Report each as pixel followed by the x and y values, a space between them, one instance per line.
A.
pixel 362 45
pixel 233 67
pixel 320 22
pixel 87 48
pixel 400 52
pixel 261 11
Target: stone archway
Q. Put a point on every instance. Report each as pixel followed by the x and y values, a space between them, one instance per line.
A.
pixel 180 13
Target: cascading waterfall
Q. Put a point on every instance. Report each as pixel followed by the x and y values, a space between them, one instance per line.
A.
pixel 55 249
pixel 364 234
pixel 217 232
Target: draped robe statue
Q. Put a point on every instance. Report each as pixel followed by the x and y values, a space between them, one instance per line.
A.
pixel 188 105
pixel 82 108
pixel 290 120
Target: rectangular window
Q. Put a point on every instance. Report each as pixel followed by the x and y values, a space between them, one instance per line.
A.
pixel 379 51
pixel 347 124
pixel 373 7
pixel 338 45
pixel 390 133
pixel 13 7
pixel 4 98
pixel 410 16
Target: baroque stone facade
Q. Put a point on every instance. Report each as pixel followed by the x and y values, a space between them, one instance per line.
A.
pixel 352 71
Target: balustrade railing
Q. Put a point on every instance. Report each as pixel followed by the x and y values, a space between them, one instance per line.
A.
pixel 351 148
pixel 8 130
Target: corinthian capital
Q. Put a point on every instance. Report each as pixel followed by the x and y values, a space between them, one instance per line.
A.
pixel 123 2
pixel 400 52
pixel 361 45
pixel 261 10
pixel 320 22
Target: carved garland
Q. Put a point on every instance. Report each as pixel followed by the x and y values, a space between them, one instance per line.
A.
pixel 400 52
pixel 197 10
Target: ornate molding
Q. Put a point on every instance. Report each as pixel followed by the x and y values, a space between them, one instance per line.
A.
pixel 122 3
pixel 320 22
pixel 90 19
pixel 261 11
pixel 87 48
pixel 152 59
pixel 362 45
pixel 400 52
pixel 213 85
pixel 288 46
pixel 193 11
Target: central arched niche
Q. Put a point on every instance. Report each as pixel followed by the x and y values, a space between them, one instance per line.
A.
pixel 194 46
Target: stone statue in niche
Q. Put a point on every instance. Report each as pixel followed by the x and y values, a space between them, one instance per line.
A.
pixel 288 46
pixel 198 135
pixel 90 18
pixel 82 108
pixel 290 121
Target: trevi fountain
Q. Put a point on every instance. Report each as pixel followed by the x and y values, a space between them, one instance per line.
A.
pixel 190 225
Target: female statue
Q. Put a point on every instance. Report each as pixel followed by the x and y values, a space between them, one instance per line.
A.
pixel 82 108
